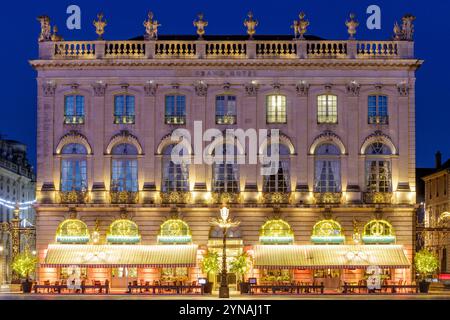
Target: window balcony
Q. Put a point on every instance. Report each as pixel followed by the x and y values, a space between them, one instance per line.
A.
pixel 73 197
pixel 175 197
pixel 124 197
pixel 327 120
pixel 328 197
pixel 119 119
pixel 276 198
pixel 74 119
pixel 175 119
pixel 227 119
pixel 378 197
pixel 378 119
pixel 225 197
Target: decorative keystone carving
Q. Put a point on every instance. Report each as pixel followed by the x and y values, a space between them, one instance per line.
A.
pixel 403 89
pixel 302 88
pixel 150 88
pixel 49 88
pixel 353 88
pixel 251 89
pixel 201 88
pixel 99 88
pixel 276 86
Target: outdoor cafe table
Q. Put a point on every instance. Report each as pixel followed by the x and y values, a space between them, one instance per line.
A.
pixel 60 287
pixel 347 288
pixel 288 289
pixel 162 289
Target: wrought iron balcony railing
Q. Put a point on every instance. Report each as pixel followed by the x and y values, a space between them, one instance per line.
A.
pixel 328 197
pixel 378 197
pixel 175 197
pixel 124 197
pixel 73 197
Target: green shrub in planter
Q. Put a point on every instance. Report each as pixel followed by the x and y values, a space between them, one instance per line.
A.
pixel 210 264
pixel 426 263
pixel 24 264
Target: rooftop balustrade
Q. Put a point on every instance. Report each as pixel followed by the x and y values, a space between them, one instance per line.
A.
pixel 226 49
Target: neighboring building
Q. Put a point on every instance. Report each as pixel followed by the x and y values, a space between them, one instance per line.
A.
pixel 17 184
pixel 346 173
pixel 436 234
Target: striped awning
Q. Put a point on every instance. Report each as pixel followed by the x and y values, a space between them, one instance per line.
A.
pixel 329 256
pixel 108 256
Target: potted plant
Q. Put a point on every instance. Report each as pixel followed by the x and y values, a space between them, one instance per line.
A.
pixel 210 264
pixel 426 263
pixel 240 265
pixel 24 264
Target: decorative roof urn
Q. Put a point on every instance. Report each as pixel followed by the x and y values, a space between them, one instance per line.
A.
pixel 100 25
pixel 251 25
pixel 352 24
pixel 200 24
pixel 46 32
pixel 302 25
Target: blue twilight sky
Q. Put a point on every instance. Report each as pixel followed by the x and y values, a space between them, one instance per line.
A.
pixel 327 17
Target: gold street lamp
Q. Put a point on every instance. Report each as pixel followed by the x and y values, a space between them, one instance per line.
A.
pixel 224 223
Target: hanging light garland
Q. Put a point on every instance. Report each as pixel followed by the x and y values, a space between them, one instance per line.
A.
pixel 12 205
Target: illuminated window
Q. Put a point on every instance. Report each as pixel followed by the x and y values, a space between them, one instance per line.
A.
pixel 174 231
pixel 276 109
pixel 378 109
pixel 327 177
pixel 72 231
pixel 124 173
pixel 175 173
pixel 73 109
pixel 175 109
pixel 276 231
pixel 378 168
pixel 124 111
pixel 378 231
pixel 327 231
pixel 123 231
pixel 327 109
pixel 73 168
pixel 226 109
pixel 225 169
pixel 279 180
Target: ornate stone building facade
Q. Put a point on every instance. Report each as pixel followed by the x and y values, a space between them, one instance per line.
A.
pixel 17 184
pixel 346 114
pixel 436 229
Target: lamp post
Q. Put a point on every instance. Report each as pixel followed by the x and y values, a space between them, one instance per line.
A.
pixel 224 223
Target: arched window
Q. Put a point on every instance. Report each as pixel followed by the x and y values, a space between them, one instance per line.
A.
pixel 175 172
pixel 327 108
pixel 327 175
pixel 123 231
pixel 74 109
pixel 378 231
pixel 225 109
pixel 378 168
pixel 124 111
pixel 225 169
pixel 73 168
pixel 124 168
pixel 174 231
pixel 276 231
pixel 327 231
pixel 377 109
pixel 278 180
pixel 276 109
pixel 72 231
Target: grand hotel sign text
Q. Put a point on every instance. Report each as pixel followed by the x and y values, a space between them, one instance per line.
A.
pixel 225 73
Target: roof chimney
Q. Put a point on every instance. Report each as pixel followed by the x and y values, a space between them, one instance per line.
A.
pixel 438 157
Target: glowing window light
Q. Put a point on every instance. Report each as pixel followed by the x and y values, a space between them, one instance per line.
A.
pixel 276 231
pixel 378 231
pixel 123 231
pixel 327 231
pixel 174 231
pixel 72 231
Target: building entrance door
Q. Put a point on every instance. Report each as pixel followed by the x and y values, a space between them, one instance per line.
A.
pixel 120 277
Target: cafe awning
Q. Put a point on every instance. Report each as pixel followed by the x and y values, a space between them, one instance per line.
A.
pixel 329 256
pixel 108 256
